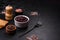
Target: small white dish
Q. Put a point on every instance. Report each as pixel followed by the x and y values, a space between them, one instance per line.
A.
pixel 21 24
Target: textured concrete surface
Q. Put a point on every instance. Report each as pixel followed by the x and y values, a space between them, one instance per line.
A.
pixel 49 16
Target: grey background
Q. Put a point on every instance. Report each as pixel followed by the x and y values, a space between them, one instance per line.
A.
pixel 49 16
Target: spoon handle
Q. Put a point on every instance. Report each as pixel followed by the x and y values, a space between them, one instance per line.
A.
pixel 28 31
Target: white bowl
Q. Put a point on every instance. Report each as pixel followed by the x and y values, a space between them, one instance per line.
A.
pixel 21 24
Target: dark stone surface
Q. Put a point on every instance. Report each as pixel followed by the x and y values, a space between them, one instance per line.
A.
pixel 49 17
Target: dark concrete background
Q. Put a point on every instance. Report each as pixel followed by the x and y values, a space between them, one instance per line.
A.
pixel 49 16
